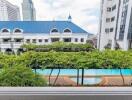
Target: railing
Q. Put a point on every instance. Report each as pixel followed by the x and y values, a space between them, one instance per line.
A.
pixel 11 33
pixel 66 91
pixel 11 43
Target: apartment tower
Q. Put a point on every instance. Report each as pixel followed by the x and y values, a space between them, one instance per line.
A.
pixel 115 25
pixel 8 11
pixel 28 10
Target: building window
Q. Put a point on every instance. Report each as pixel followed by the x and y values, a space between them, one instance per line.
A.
pixel 125 1
pixel 82 39
pixel 5 31
pixel 55 39
pixel 114 7
pixel 54 31
pixel 67 31
pixel 67 39
pixel 40 40
pixel 17 31
pixel 18 40
pixel 112 19
pixel 123 21
pixel 76 39
pixel 111 29
pixel 46 40
pixel 108 9
pixel 34 41
pixel 107 20
pixel 28 41
pixel 6 40
pixel 107 30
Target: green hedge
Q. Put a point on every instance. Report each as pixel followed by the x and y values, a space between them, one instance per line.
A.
pixel 59 46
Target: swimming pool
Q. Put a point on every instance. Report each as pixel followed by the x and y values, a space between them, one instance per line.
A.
pixel 73 72
pixel 88 81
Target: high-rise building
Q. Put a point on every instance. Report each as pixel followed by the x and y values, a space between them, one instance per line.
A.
pixel 28 10
pixel 8 11
pixel 115 25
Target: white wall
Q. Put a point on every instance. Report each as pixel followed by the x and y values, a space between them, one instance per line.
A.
pixel 104 37
pixel 15 45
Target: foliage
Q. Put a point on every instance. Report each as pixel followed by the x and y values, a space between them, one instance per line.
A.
pixel 90 60
pixel 17 69
pixel 59 46
pixel 20 76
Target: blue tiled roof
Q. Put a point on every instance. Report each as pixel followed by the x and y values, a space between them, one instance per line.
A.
pixel 41 26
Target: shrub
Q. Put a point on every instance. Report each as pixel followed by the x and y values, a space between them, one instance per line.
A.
pixel 20 76
pixel 59 46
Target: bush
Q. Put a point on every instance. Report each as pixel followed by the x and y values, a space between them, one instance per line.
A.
pixel 59 46
pixel 20 76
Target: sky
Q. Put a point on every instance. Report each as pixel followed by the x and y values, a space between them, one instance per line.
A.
pixel 85 13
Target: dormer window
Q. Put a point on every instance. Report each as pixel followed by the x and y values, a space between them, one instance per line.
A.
pixel 67 31
pixel 54 31
pixel 5 31
pixel 17 31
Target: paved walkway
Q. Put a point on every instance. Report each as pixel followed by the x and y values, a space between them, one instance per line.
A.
pixel 116 81
pixel 106 81
pixel 61 81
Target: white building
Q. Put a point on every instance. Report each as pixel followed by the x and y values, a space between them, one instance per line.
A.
pixel 28 10
pixel 8 11
pixel 13 34
pixel 115 25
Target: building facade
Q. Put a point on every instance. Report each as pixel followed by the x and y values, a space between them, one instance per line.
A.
pixel 8 11
pixel 115 25
pixel 13 34
pixel 28 10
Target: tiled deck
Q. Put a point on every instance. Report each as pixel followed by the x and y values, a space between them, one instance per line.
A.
pixel 62 81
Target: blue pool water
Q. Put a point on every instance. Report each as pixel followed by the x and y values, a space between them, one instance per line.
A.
pixel 88 81
pixel 86 72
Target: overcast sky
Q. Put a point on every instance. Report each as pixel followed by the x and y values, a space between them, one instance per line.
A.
pixel 85 13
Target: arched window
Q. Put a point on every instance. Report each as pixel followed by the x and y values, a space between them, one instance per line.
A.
pixel 5 30
pixel 67 31
pixel 54 31
pixel 17 31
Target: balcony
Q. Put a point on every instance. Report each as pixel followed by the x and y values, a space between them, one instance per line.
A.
pixel 55 35
pixel 8 35
pixel 67 34
pixel 10 45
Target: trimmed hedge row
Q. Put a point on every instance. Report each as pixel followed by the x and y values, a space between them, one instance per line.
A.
pixel 59 46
